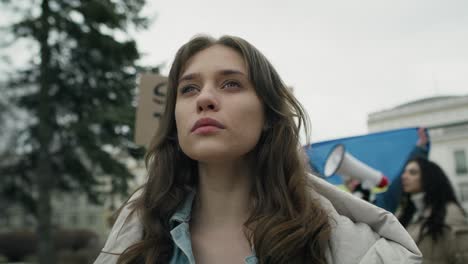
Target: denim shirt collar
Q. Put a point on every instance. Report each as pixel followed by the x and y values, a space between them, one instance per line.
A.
pixel 184 212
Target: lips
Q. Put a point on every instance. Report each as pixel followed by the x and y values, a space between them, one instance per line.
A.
pixel 206 122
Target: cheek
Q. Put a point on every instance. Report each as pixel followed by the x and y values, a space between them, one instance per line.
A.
pixel 417 181
pixel 247 122
pixel 255 121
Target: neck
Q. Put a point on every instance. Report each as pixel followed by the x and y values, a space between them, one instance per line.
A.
pixel 223 194
pixel 418 200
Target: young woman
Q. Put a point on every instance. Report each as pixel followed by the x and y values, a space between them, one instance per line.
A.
pixel 432 214
pixel 227 182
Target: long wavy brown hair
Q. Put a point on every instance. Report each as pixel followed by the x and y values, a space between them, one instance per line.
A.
pixel 287 224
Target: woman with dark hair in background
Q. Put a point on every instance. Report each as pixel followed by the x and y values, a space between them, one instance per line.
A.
pixel 431 213
pixel 228 183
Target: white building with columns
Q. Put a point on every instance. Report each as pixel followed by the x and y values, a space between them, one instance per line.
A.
pixel 446 118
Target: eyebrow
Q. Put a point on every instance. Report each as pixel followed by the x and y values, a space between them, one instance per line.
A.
pixel 191 76
pixel 231 72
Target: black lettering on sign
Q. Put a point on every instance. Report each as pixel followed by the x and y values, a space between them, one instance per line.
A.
pixel 157 90
pixel 159 97
pixel 158 101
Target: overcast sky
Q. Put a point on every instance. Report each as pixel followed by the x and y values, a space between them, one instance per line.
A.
pixel 345 59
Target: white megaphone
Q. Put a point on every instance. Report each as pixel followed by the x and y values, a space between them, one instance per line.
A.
pixel 342 163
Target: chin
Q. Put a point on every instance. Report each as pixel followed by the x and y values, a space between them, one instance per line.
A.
pixel 217 150
pixel 209 158
pixel 213 154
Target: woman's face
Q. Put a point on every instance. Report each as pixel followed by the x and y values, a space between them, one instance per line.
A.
pixel 411 179
pixel 218 114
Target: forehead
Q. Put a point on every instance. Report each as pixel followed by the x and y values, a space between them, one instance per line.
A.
pixel 412 165
pixel 214 59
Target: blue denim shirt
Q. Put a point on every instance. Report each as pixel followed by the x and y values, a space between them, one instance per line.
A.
pixel 180 233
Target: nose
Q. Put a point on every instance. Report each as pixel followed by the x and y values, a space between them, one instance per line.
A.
pixel 207 100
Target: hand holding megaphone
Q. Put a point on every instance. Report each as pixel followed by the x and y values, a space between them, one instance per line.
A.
pixel 346 165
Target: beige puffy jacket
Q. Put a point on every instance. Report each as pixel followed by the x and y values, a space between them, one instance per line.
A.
pixel 452 247
pixel 362 233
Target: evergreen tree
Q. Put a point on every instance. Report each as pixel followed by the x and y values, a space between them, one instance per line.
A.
pixel 78 90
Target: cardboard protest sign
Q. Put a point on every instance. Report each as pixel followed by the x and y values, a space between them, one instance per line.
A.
pixel 151 102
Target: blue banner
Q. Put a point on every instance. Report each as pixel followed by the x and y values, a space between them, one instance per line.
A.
pixel 384 151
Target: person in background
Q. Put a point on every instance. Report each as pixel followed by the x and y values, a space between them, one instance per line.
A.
pixel 432 215
pixel 228 182
pixel 354 186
